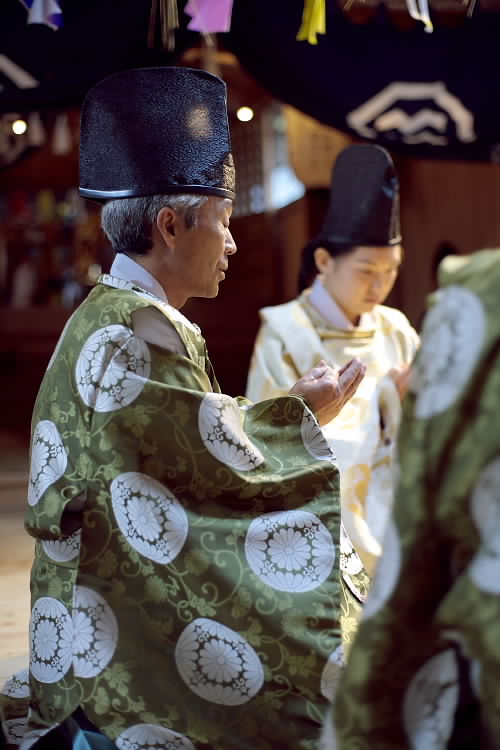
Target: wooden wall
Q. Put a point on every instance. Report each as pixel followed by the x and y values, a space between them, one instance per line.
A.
pixel 457 202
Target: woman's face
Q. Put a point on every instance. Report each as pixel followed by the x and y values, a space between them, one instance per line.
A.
pixel 361 279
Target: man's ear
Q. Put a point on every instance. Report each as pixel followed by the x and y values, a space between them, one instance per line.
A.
pixel 167 221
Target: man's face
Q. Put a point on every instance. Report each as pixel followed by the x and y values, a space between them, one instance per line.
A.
pixel 202 253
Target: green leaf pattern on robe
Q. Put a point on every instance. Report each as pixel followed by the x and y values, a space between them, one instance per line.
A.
pixel 200 601
pixel 423 672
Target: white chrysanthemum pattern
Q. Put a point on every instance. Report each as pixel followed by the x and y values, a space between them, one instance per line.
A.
pixel 149 516
pixel 51 636
pixel 387 572
pixel 290 550
pixel 95 632
pixel 218 664
pixel 452 339
pixel 112 368
pixel 152 737
pixel 430 703
pixel 63 550
pixel 18 685
pixel 331 673
pixel 484 568
pixel 221 429
pixel 48 460
pixel 350 563
pixel 314 441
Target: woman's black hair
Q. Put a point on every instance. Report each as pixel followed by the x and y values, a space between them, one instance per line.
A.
pixel 308 269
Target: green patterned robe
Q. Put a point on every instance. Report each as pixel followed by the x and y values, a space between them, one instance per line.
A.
pixel 186 589
pixel 424 670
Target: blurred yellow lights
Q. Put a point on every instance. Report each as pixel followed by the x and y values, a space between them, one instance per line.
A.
pixel 19 127
pixel 244 114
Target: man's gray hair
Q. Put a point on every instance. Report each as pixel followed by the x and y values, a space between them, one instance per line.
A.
pixel 127 222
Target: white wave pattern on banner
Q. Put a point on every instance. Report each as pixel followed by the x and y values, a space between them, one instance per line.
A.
pixel 441 111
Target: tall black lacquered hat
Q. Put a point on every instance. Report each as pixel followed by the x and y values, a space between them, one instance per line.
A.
pixel 154 131
pixel 364 199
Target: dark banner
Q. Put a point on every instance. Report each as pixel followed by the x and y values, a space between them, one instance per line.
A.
pixel 433 95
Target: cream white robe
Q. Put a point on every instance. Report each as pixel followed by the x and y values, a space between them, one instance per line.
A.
pixel 292 339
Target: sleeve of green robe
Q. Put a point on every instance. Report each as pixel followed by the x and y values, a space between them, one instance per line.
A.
pixel 423 672
pixel 202 594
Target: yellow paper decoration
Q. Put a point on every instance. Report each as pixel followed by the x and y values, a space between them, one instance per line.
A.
pixel 313 21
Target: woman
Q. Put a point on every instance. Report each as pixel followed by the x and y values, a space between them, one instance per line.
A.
pixel 356 259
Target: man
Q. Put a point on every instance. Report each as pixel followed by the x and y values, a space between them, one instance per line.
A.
pixel 185 591
pixel 423 672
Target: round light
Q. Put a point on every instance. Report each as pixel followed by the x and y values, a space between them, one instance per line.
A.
pixel 244 114
pixel 19 127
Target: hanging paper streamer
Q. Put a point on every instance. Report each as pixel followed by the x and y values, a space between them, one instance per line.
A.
pixel 419 10
pixel 313 21
pixel 61 140
pixel 47 12
pixel 169 21
pixel 209 16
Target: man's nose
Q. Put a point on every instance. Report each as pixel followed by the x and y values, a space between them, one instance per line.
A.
pixel 230 245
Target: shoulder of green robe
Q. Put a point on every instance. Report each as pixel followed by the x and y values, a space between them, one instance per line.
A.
pixel 116 300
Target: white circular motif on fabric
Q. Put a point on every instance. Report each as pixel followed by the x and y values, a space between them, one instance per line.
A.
pixel 430 703
pixel 152 737
pixel 51 640
pixel 452 338
pixel 314 441
pixel 58 345
pixel 331 673
pixel 112 368
pixel 95 632
pixel 290 550
pixel 484 569
pixel 386 574
pixel 18 685
pixel 221 429
pixel 485 507
pixel 48 459
pixel 149 516
pixel 218 664
pixel 350 562
pixel 63 550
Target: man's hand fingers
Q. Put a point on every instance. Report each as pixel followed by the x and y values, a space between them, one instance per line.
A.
pixel 353 374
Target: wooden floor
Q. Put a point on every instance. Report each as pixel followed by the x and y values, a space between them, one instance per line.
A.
pixel 16 552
